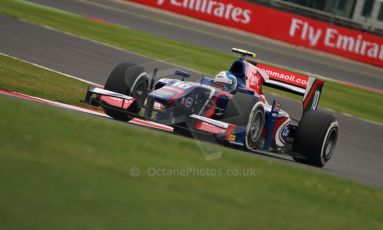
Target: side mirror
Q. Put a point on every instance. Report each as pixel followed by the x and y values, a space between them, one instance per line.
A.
pixel 183 74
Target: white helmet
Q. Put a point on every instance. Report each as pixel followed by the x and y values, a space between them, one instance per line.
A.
pixel 227 79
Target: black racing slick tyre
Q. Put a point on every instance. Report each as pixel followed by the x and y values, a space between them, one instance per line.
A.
pixel 128 79
pixel 315 138
pixel 247 111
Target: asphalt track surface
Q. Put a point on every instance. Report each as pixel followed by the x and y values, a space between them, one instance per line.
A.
pixel 359 149
pixel 222 39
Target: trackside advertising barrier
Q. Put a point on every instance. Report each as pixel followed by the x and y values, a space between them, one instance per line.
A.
pixel 280 25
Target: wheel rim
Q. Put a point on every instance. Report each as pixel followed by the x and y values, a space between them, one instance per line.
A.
pixel 139 91
pixel 140 88
pixel 256 126
pixel 255 129
pixel 330 144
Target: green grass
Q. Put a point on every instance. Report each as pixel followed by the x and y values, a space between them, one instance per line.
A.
pixel 20 77
pixel 61 169
pixel 357 102
pixel 340 98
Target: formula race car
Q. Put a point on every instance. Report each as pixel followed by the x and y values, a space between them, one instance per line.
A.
pixel 231 107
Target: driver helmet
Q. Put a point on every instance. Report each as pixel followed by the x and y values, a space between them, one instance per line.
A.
pixel 225 81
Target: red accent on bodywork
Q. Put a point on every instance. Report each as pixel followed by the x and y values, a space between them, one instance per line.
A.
pixel 204 126
pixel 158 106
pixel 254 80
pixel 263 99
pixel 229 131
pixel 178 91
pixel 279 122
pixel 210 112
pixel 117 102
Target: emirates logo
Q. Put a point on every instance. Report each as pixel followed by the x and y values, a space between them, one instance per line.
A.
pixel 215 8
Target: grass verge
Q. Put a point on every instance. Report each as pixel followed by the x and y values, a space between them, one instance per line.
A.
pixel 21 77
pixel 340 98
pixel 62 169
pixel 57 172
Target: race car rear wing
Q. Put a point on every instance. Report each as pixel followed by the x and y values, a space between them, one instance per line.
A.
pixel 308 87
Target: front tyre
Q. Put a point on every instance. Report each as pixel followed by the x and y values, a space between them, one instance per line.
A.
pixel 128 79
pixel 316 138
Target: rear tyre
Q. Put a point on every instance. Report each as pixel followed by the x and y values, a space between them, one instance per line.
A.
pixel 247 111
pixel 316 138
pixel 128 79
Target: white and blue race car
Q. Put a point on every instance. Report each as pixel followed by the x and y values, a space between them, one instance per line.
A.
pixel 241 116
